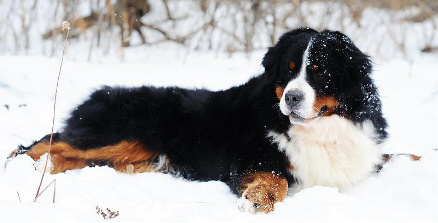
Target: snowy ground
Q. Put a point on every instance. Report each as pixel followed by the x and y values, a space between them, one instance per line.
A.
pixel 405 191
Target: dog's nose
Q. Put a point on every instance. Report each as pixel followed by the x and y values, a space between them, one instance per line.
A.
pixel 293 98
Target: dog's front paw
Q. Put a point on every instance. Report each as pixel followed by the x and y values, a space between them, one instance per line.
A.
pixel 262 191
pixel 255 201
pixel 247 206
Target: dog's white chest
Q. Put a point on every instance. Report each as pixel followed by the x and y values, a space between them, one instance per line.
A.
pixel 330 151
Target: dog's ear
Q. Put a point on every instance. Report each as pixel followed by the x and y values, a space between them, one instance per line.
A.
pixel 356 66
pixel 357 62
pixel 273 56
pixel 356 81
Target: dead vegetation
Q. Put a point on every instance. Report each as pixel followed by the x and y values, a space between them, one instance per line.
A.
pixel 64 28
pixel 226 25
pixel 107 214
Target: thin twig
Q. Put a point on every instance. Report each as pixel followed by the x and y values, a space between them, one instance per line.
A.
pixel 65 25
pixel 54 191
pixel 19 198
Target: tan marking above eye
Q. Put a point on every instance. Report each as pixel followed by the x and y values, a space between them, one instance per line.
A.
pixel 314 67
pixel 292 65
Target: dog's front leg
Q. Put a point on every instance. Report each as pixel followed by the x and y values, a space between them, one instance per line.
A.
pixel 260 191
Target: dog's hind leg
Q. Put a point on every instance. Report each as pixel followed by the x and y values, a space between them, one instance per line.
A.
pixel 125 156
pixel 58 162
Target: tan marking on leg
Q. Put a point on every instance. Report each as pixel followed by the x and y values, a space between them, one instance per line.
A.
pixel 328 101
pixel 279 92
pixel 264 190
pixel 61 164
pixel 126 156
pixel 41 148
pixel 137 167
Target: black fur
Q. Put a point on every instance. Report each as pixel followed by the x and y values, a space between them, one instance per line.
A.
pixel 223 135
pixel 344 72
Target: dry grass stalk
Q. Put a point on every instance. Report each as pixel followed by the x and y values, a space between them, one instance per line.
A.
pixel 54 190
pixel 19 198
pixel 65 26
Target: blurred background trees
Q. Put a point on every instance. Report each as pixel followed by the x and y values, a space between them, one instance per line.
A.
pixel 384 28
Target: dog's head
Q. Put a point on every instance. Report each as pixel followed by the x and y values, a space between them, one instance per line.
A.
pixel 318 74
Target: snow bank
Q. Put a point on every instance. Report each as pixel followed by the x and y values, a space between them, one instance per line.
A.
pixel 405 191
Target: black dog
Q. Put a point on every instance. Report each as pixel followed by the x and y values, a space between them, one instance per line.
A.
pixel 312 118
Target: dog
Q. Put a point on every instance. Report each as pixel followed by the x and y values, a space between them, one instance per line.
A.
pixel 313 117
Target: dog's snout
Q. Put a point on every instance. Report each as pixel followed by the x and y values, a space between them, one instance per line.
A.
pixel 293 98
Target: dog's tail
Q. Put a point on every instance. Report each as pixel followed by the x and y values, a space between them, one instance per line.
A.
pixel 388 157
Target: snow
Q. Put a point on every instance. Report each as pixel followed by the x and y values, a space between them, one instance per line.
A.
pixel 405 191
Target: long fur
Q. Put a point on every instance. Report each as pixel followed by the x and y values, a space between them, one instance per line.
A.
pixel 230 135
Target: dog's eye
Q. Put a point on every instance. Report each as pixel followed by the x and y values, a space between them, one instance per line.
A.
pixel 323 73
pixel 316 71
